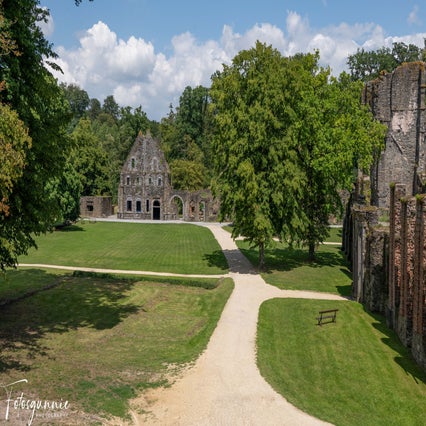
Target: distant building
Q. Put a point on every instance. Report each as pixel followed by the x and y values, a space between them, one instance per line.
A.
pixel 95 206
pixel 145 190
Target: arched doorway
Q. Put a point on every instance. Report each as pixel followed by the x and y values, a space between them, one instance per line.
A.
pixel 176 205
pixel 156 210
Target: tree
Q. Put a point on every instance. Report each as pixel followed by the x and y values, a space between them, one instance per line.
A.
pixel 32 92
pixel 286 141
pixel 368 65
pixel 111 107
pixel 14 141
pixel 254 163
pixel 90 161
pixel 77 98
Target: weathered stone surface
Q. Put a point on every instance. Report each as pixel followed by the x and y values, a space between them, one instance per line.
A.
pixel 96 206
pixel 388 264
pixel 398 100
pixel 145 190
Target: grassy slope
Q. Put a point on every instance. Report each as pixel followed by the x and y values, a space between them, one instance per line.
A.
pixel 96 341
pixel 288 268
pixel 354 372
pixel 186 249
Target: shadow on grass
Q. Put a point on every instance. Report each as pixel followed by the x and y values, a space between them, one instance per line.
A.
pixel 404 358
pixel 69 228
pixel 216 259
pixel 75 302
pixel 287 259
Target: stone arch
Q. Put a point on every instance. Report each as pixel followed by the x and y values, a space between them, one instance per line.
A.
pixel 177 207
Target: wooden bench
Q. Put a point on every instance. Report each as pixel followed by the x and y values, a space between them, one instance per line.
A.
pixel 329 315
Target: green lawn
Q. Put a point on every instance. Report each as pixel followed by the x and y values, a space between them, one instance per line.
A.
pixel 97 341
pixel 288 268
pixel 177 248
pixel 353 372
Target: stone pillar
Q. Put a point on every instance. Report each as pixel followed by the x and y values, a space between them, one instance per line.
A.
pixel 405 315
pixel 397 193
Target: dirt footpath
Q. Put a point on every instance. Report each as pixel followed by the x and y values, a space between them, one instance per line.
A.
pixel 224 387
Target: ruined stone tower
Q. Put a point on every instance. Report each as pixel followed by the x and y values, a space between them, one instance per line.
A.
pixel 398 100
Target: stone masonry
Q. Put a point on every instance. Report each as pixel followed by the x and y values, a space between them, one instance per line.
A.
pixel 145 190
pixel 388 257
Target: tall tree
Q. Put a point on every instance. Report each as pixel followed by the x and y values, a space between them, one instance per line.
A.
pixel 286 141
pixel 33 93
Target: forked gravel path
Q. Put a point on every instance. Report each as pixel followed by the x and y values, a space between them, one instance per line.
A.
pixel 224 387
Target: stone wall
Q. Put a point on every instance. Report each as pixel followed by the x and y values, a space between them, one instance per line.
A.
pixel 398 100
pixel 96 206
pixel 145 190
pixel 388 265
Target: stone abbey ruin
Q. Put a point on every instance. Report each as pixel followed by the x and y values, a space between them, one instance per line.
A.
pixel 384 234
pixel 145 190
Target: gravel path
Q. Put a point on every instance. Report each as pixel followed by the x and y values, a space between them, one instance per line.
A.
pixel 224 387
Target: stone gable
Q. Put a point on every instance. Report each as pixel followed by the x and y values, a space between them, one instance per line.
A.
pixel 145 190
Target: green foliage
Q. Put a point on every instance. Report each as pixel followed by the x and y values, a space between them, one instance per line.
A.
pixel 33 93
pixel 368 65
pixel 287 137
pixel 188 175
pixel 185 136
pixel 14 141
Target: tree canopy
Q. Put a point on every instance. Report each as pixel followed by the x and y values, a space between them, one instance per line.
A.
pixel 368 65
pixel 30 91
pixel 287 137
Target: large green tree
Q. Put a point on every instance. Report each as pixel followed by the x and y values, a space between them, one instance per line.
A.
pixel 287 138
pixel 32 92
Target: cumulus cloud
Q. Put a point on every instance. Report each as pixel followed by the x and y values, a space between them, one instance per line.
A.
pixel 135 74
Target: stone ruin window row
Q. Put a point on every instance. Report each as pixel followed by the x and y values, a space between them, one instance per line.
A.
pixel 129 206
pixel 154 164
pixel 149 181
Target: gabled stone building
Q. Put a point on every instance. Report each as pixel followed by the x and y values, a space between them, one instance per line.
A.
pixel 145 190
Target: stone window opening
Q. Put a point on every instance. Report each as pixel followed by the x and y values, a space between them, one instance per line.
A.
pixel 133 163
pixel 138 206
pixel 129 205
pixel 128 180
pixel 147 206
pixel 160 181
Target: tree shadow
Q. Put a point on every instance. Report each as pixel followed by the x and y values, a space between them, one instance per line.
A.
pixel 69 228
pixel 288 258
pixel 404 358
pixel 216 259
pixel 74 302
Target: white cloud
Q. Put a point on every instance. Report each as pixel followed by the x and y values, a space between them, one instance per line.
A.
pixel 136 75
pixel 413 17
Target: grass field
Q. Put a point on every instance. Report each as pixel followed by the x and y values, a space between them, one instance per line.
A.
pixel 96 341
pixel 353 372
pixel 175 248
pixel 288 268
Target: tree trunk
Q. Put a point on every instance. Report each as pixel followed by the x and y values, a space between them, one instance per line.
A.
pixel 311 254
pixel 261 256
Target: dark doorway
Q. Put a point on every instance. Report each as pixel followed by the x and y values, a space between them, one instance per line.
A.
pixel 156 210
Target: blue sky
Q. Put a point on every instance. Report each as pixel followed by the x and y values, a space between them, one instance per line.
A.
pixel 145 52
